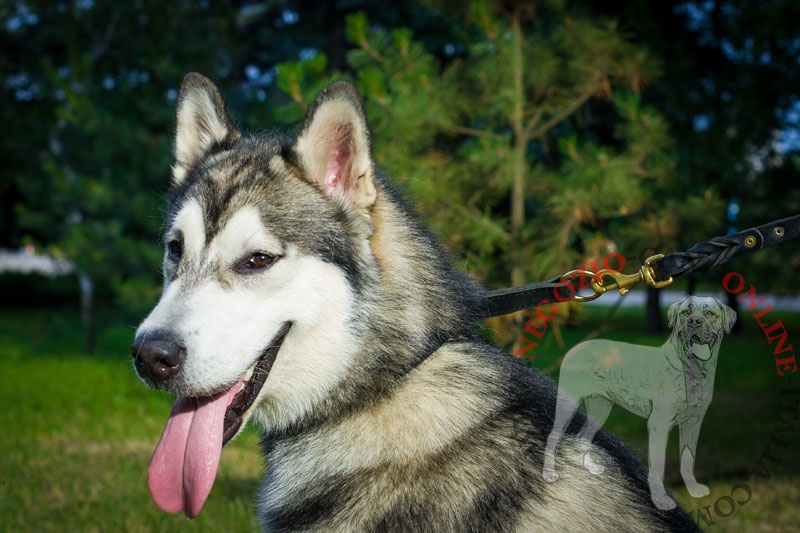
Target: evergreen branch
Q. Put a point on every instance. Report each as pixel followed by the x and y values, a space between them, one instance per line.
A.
pixel 535 132
pixel 536 117
pixel 475 132
pixel 101 47
pixel 296 93
pixel 481 221
pixel 373 53
pixel 638 165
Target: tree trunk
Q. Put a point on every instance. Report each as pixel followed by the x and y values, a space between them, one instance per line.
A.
pixel 87 309
pixel 519 151
pixel 519 170
pixel 733 303
pixel 652 317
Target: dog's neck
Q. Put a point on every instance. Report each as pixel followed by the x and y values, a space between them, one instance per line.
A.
pixel 424 296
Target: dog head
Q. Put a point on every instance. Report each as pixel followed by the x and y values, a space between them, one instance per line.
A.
pixel 244 248
pixel 698 325
pixel 265 253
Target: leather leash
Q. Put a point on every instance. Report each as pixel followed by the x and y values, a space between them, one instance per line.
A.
pixel 658 271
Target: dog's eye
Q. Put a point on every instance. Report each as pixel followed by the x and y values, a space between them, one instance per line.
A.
pixel 175 249
pixel 256 262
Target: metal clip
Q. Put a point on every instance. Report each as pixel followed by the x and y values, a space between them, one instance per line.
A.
pixel 649 274
pixel 622 282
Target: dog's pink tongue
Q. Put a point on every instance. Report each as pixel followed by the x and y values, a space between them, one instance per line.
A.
pixel 185 462
pixel 701 351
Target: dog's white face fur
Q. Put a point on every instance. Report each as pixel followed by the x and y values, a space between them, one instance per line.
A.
pixel 227 319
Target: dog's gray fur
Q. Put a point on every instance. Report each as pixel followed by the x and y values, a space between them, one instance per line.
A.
pixel 669 385
pixel 383 410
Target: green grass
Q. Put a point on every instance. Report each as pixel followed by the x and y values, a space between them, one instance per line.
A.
pixel 77 431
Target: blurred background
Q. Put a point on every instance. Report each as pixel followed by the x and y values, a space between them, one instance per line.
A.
pixel 535 137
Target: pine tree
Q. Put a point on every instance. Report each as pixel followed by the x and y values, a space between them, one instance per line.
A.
pixel 525 143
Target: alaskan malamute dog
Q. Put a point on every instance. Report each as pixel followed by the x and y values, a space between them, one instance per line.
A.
pixel 302 293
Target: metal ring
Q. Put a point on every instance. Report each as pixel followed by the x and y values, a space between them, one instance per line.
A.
pixel 749 241
pixel 778 231
pixel 597 282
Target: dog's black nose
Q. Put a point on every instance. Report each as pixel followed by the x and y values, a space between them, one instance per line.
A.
pixel 157 356
pixel 695 321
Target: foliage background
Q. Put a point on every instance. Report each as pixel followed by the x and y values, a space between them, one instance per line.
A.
pixel 534 136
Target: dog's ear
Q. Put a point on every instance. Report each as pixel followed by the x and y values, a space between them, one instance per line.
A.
pixel 672 313
pixel 334 148
pixel 728 317
pixel 203 123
